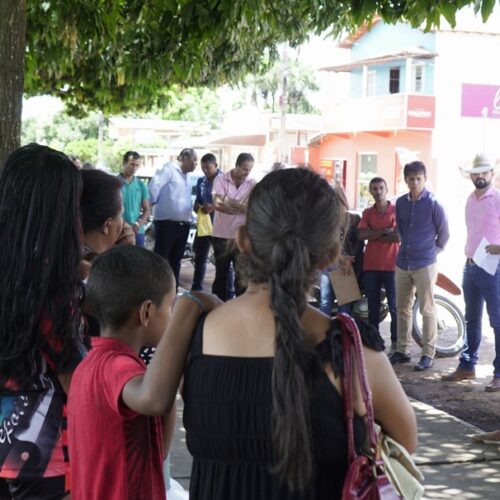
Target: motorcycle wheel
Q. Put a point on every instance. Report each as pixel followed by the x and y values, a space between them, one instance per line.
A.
pixel 451 327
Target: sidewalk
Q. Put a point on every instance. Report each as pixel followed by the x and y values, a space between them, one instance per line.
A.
pixel 453 466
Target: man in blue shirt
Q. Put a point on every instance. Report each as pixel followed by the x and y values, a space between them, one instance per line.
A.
pixel 423 228
pixel 204 202
pixel 136 209
pixel 170 194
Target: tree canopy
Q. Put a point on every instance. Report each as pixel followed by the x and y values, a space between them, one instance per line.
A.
pixel 115 55
pixel 122 54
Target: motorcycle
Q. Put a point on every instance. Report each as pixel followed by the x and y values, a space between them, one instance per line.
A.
pixel 451 321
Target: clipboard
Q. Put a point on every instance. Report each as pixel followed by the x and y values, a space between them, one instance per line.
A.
pixel 345 286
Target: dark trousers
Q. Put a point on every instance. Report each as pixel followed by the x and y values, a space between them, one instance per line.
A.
pixel 201 247
pixel 170 242
pixel 41 488
pixel 225 253
pixel 480 287
pixel 374 281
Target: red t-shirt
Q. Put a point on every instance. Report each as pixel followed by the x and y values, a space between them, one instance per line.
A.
pixel 115 453
pixel 379 255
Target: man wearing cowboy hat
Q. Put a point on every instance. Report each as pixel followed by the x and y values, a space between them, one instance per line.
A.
pixel 482 218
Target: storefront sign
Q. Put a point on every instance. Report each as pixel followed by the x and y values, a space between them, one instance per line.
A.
pixel 476 98
pixel 420 111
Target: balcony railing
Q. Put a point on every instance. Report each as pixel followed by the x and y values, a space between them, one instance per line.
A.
pixel 380 113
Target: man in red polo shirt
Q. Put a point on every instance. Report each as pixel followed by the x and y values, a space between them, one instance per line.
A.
pixel 378 226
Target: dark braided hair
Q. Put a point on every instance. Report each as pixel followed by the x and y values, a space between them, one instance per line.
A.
pixel 40 229
pixel 292 224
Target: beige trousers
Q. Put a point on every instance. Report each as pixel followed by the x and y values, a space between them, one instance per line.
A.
pixel 422 280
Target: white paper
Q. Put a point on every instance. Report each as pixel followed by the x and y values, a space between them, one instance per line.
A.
pixel 485 260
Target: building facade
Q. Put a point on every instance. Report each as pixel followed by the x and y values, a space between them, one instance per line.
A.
pixel 411 94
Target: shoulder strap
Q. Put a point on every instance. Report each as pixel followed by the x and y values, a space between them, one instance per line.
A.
pixel 196 346
pixel 353 352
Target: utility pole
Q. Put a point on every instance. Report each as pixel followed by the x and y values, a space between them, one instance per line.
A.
pixel 283 98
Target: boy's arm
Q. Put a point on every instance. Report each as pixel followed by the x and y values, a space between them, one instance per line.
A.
pixel 154 392
pixel 168 423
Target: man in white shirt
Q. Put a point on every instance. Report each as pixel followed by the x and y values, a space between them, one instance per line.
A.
pixel 170 194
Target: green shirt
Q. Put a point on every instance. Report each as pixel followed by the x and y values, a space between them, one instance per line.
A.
pixel 133 192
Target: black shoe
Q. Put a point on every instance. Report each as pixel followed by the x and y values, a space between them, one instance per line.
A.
pixel 399 357
pixel 424 364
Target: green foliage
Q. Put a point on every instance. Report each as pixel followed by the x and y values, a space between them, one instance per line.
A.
pixel 79 136
pixel 85 149
pixel 266 88
pixel 194 104
pixel 125 55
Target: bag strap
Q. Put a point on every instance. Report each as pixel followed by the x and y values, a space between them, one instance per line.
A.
pixel 353 350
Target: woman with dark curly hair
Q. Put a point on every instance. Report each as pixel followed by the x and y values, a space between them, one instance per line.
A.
pixel 40 338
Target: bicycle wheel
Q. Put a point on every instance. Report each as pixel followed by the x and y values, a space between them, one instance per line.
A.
pixel 451 327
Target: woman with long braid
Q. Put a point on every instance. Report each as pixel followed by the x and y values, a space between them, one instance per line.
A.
pixel 40 295
pixel 263 405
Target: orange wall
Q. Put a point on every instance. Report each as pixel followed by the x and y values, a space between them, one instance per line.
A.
pixel 333 147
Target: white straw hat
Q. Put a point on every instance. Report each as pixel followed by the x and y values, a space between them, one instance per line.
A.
pixel 480 164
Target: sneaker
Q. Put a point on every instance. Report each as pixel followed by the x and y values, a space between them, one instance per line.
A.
pixel 424 364
pixel 493 385
pixel 392 349
pixel 458 375
pixel 399 357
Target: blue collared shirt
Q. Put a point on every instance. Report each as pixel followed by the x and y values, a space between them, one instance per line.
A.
pixel 170 193
pixel 423 228
pixel 204 188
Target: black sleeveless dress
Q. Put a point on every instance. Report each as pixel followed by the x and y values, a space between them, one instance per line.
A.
pixel 227 417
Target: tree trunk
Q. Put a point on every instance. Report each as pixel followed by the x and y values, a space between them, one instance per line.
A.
pixel 12 48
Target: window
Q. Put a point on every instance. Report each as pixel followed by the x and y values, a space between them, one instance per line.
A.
pixel 418 78
pixel 367 170
pixel 370 82
pixel 394 80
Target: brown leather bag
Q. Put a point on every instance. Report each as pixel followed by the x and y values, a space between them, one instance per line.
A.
pixel 366 478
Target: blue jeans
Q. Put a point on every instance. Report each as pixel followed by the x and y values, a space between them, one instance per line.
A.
pixel 139 240
pixel 480 287
pixel 327 296
pixel 374 281
pixel 226 283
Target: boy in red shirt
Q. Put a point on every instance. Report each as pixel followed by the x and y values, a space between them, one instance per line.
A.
pixel 378 226
pixel 116 443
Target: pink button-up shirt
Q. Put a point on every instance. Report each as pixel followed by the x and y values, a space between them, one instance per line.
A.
pixel 482 217
pixel 225 225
